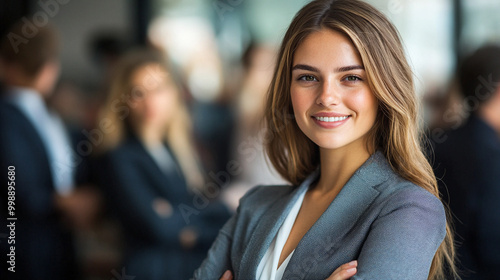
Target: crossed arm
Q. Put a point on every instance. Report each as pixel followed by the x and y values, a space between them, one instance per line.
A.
pixel 400 244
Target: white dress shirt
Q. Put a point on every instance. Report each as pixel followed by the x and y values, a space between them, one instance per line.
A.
pixel 268 267
pixel 52 132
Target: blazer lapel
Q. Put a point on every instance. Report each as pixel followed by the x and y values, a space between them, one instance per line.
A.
pixel 171 185
pixel 267 229
pixel 339 218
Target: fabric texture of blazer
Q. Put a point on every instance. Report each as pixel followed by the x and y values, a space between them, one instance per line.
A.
pixel 390 225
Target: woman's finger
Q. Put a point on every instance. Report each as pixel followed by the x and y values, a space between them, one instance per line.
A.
pixel 344 271
pixel 227 275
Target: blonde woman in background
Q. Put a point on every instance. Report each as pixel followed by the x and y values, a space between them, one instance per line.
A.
pixel 342 120
pixel 151 176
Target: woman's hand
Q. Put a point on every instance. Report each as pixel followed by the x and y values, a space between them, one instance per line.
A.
pixel 344 271
pixel 227 275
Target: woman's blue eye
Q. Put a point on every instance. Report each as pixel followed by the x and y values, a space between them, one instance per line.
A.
pixel 307 78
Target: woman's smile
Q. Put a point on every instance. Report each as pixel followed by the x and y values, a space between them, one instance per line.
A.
pixel 330 120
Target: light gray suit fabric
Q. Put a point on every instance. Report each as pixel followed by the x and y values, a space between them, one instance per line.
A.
pixel 390 225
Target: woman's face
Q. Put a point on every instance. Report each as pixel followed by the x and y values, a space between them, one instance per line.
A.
pixel 332 102
pixel 153 96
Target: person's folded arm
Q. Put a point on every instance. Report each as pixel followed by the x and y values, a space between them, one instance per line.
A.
pixel 403 240
pixel 134 200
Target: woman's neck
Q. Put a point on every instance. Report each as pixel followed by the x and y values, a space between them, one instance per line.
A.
pixel 338 165
pixel 150 136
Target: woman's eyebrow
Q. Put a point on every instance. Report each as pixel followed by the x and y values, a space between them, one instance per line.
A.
pixel 349 68
pixel 314 69
pixel 305 67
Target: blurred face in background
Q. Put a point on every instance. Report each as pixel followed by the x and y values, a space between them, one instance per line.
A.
pixel 154 96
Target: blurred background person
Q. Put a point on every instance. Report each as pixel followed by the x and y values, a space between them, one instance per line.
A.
pixel 35 141
pixel 151 174
pixel 192 45
pixel 468 163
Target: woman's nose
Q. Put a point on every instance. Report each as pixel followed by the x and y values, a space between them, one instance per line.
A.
pixel 329 95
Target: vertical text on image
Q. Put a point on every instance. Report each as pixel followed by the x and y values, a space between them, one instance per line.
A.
pixel 11 218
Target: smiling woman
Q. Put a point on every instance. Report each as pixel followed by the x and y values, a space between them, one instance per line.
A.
pixel 342 128
pixel 332 102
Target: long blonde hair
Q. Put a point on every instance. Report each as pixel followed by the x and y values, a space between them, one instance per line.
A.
pixel 397 132
pixel 117 111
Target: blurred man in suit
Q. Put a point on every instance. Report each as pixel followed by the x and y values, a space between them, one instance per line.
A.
pixel 34 142
pixel 468 161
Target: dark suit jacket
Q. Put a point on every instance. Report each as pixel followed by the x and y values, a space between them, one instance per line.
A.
pixel 391 226
pixel 44 248
pixel 132 182
pixel 468 163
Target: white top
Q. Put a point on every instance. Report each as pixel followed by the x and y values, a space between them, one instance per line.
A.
pixel 53 134
pixel 268 266
pixel 162 158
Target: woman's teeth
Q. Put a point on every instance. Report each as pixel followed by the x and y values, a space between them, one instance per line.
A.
pixel 331 119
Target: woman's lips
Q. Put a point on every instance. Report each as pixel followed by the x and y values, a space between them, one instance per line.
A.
pixel 330 120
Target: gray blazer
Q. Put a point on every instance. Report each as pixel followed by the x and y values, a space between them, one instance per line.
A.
pixel 390 225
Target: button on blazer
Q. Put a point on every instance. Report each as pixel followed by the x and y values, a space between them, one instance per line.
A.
pixel 390 225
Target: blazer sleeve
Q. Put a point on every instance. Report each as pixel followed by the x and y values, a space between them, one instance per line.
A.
pixel 404 238
pixel 218 259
